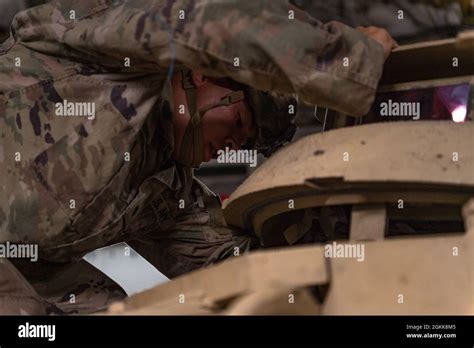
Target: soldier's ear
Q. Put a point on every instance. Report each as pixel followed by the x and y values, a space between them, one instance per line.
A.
pixel 198 79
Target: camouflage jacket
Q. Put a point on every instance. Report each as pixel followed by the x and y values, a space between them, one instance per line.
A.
pixel 73 184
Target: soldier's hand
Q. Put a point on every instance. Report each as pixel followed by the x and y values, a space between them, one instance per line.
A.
pixel 381 36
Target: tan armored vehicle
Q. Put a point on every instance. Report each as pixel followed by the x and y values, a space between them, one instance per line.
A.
pixel 368 217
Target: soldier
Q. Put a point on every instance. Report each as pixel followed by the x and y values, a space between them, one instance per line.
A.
pixel 106 108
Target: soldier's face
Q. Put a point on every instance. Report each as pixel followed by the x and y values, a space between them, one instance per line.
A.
pixel 224 126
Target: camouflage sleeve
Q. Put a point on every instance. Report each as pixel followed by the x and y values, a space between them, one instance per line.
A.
pixel 198 237
pixel 257 42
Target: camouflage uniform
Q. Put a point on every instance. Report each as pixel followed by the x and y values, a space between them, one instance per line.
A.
pixel 74 189
pixel 422 19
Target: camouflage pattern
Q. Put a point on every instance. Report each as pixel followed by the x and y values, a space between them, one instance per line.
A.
pixel 72 189
pixel 422 19
pixel 274 116
pixel 16 295
pixel 72 288
pixel 199 237
pixel 8 9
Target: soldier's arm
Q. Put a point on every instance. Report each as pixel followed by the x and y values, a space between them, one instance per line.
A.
pixel 198 237
pixel 255 42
